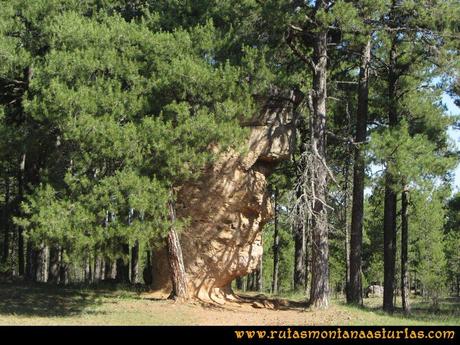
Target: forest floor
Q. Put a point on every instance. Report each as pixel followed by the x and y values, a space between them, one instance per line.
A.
pixel 25 304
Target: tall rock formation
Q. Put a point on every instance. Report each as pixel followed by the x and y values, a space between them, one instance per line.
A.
pixel 228 206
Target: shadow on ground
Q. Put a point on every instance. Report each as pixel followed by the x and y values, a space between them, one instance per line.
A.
pixel 263 301
pixel 421 310
pixel 23 299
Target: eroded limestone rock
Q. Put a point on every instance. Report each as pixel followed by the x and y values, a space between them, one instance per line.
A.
pixel 227 209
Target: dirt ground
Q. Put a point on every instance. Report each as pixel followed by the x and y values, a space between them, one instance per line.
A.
pixel 42 305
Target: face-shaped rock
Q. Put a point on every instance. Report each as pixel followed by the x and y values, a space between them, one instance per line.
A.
pixel 227 208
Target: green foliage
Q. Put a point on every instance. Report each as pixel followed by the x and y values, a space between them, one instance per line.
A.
pixel 117 112
pixel 427 219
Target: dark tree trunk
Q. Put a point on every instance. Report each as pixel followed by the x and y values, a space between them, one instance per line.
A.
pixel 53 273
pixel 458 285
pixel 239 283
pixel 63 270
pixel 21 262
pixel 5 222
pixel 299 259
pixel 299 251
pixel 249 282
pixel 319 292
pixel 175 260
pixel 276 248
pixel 254 280
pixel 260 277
pixel 147 273
pixel 346 287
pixel 389 223
pixel 135 263
pixel 122 271
pixel 31 255
pixel 357 212
pixel 404 251
pixel 347 258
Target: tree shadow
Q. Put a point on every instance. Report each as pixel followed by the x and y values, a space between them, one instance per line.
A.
pixel 23 299
pixel 449 309
pixel 275 303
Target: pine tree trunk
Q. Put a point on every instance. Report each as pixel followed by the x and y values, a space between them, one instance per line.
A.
pixel 20 253
pixel 21 262
pixel 122 267
pixel 347 257
pixel 41 264
pixel 5 222
pixel 148 273
pixel 63 270
pixel 276 245
pixel 319 292
pixel 239 283
pixel 249 282
pixel 13 254
pixel 346 227
pixel 53 274
pixel 260 276
pixel 31 255
pixel 308 251
pixel 299 252
pixel 88 270
pixel 135 263
pixel 389 223
pixel 107 269
pixel 404 251
pixel 97 275
pixel 176 261
pixel 254 280
pixel 357 212
pixel 299 258
pixel 458 285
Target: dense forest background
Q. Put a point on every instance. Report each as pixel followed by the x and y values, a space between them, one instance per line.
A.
pixel 106 106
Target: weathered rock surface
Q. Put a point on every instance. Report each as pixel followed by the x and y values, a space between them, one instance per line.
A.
pixel 227 209
pixel 374 291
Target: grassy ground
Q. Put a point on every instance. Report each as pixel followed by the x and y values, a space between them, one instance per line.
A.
pixel 22 304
